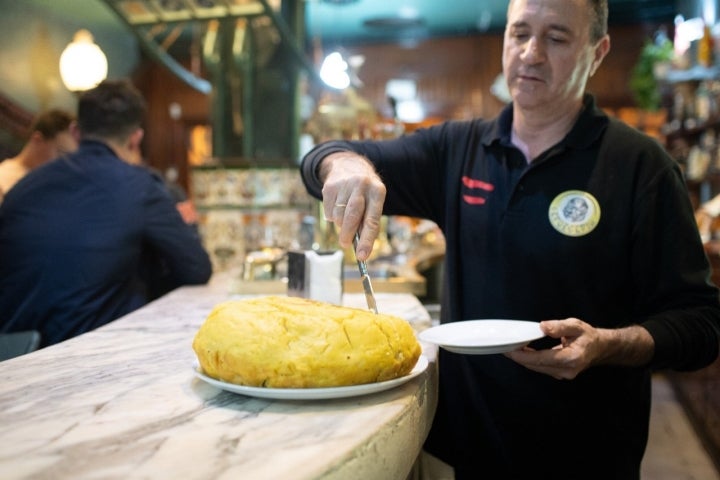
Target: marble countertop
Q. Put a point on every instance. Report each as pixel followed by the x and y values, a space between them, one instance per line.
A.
pixel 122 402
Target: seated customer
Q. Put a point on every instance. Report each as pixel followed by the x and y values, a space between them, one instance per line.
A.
pixel 52 134
pixel 74 232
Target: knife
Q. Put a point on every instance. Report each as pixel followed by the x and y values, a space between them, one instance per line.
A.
pixel 365 278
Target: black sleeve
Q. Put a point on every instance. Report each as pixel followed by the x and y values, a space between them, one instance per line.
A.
pixel 674 279
pixel 413 168
pixel 311 162
pixel 677 303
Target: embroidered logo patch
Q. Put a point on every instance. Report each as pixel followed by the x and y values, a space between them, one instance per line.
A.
pixel 574 213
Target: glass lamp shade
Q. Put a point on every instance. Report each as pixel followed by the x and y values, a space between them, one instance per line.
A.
pixel 82 64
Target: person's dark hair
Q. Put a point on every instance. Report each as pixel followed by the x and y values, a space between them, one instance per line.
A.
pixel 114 109
pixel 599 21
pixel 52 122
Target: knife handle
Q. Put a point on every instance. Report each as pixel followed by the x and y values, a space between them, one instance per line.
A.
pixel 361 265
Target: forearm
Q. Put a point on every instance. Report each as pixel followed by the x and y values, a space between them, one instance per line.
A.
pixel 630 346
pixel 310 168
pixel 583 346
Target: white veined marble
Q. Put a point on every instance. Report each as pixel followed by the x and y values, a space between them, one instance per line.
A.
pixel 122 403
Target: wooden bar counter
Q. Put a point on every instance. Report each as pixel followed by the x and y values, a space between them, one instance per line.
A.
pixel 122 402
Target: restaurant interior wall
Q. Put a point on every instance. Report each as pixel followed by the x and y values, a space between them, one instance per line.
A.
pixel 174 109
pixel 33 37
pixel 35 31
pixel 454 74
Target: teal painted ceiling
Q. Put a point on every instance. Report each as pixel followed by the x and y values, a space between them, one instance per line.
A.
pixel 362 21
pixel 381 20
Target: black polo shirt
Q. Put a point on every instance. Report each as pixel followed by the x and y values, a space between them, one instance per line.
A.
pixel 598 227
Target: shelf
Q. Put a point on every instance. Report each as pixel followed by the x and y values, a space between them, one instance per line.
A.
pixel 694 131
pixel 251 208
pixel 239 164
pixel 693 74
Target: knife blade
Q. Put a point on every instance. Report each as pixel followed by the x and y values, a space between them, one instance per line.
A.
pixel 365 278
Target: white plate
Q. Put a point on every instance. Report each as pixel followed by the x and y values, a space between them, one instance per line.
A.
pixel 482 337
pixel 313 393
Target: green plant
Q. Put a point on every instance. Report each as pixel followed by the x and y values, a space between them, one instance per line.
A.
pixel 643 83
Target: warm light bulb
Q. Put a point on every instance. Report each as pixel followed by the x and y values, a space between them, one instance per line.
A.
pixel 82 64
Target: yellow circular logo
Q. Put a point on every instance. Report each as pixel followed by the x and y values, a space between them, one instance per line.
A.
pixel 574 213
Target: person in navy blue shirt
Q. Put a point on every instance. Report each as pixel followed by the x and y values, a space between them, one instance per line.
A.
pixel 554 213
pixel 76 233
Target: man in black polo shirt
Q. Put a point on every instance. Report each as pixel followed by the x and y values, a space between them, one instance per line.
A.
pixel 555 213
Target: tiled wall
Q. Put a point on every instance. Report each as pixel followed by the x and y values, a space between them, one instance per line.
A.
pixel 251 187
pixel 246 209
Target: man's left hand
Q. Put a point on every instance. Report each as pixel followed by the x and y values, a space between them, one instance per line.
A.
pixel 582 345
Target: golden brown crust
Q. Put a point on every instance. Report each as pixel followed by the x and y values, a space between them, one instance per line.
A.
pixel 291 342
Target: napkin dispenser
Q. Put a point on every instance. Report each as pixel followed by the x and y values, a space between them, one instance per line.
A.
pixel 316 275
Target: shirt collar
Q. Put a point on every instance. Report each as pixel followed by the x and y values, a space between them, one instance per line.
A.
pixel 96 145
pixel 587 129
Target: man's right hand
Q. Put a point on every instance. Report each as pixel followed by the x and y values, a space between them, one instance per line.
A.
pixel 353 198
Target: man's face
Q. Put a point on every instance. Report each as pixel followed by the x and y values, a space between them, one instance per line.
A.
pixel 547 52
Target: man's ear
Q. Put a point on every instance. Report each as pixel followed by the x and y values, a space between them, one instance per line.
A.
pixel 135 139
pixel 74 131
pixel 36 137
pixel 601 50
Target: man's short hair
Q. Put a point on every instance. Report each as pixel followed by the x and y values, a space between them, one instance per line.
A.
pixel 599 20
pixel 114 109
pixel 52 122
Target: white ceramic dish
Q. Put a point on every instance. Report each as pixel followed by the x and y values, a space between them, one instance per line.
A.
pixel 483 337
pixel 313 393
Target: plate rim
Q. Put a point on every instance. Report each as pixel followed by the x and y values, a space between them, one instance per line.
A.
pixel 485 348
pixel 320 393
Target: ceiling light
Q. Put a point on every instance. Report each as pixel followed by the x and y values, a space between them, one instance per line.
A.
pixel 401 89
pixel 410 111
pixel 334 71
pixel 82 64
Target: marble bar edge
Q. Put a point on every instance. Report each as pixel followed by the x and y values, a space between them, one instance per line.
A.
pixel 122 402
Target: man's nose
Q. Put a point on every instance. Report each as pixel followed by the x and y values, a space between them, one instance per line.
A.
pixel 533 51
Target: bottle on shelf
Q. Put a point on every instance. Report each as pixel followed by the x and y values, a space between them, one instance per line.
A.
pixel 703 103
pixel 706 48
